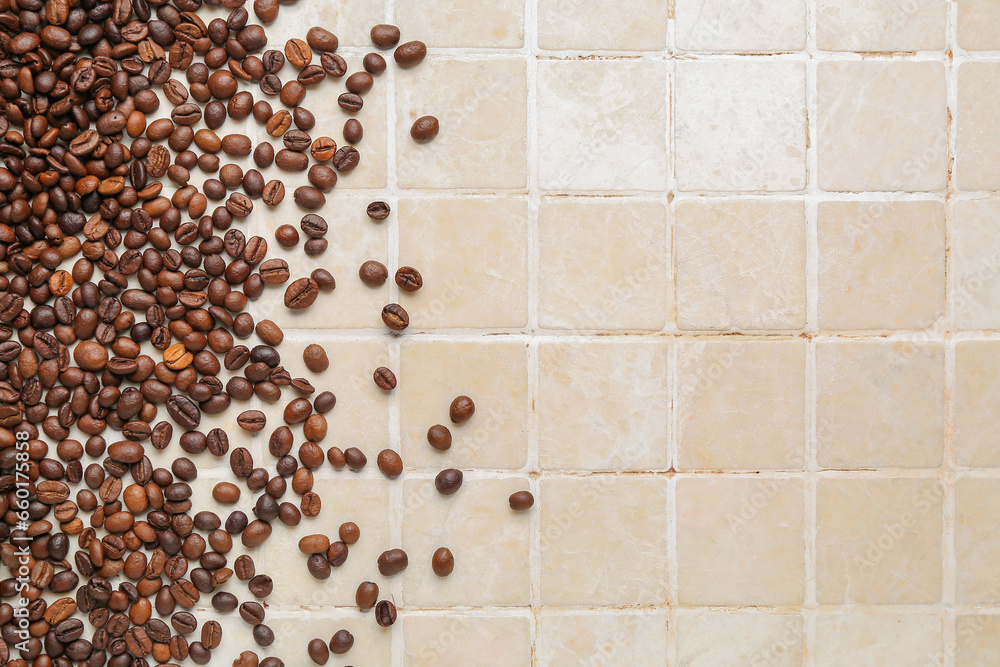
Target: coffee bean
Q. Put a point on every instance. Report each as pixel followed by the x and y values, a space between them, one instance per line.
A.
pixel 318 651
pixel 262 635
pixel 310 198
pixel 315 358
pixel 298 53
pixel 373 274
pixel 374 63
pixel 443 562
pixel 409 279
pixel 439 437
pixel 410 54
pixel 324 279
pixel 301 293
pixel 385 613
pixel 241 462
pixel 286 236
pixel 353 133
pixel 183 411
pixel 395 317
pixel 424 129
pixel 346 159
pixel 385 36
pixel 378 210
pixel 355 459
pixel 324 402
pixel 367 595
pixel 390 463
pixel 384 378
pixel 350 102
pixel 333 65
pixel 336 554
pixel 448 481
pixel 521 500
pixel 252 613
pixel 341 642
pixel 461 410
pixel 392 562
pixel 226 493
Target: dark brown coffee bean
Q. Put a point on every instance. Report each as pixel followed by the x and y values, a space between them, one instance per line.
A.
pixel 378 210
pixel 367 595
pixel 409 279
pixel 341 642
pixel 521 500
pixel 410 54
pixel 301 294
pixel 448 481
pixel 354 132
pixel 373 274
pixel 439 437
pixel 333 65
pixel 359 83
pixel 346 159
pixel 374 63
pixel 424 129
pixel 385 36
pixel 183 411
pixel 461 409
pixel 310 198
pixel 355 459
pixel 350 102
pixel 443 562
pixel 318 651
pixel 385 378
pixel 385 613
pixel 395 317
pixel 315 358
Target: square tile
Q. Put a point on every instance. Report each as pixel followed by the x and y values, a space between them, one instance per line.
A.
pixel 977 540
pixel 877 640
pixel 602 125
pixel 354 239
pixel 879 405
pixel 741 26
pixel 361 415
pixel 878 541
pixel 619 639
pixel 882 126
pixel 881 25
pixel 976 264
pixel 602 264
pixel 463 23
pixel 977 393
pixel 740 264
pixel 741 405
pixel 735 640
pixel 484 124
pixel 494 374
pixel 978 640
pixel 479 527
pixel 591 25
pixel 740 541
pixel 612 396
pixel 488 287
pixel 977 165
pixel 448 641
pixel 294 629
pixel 858 288
pixel 746 131
pixel 345 498
pixel 977 21
pixel 598 553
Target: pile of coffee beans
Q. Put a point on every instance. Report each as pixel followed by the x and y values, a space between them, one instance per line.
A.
pixel 118 302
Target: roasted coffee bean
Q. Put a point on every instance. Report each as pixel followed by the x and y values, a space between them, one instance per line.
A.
pixel 424 129
pixel 448 481
pixel 350 102
pixel 384 378
pixel 262 635
pixel 390 463
pixel 392 562
pixel 315 359
pixel 310 198
pixel 301 293
pixel 183 411
pixel 439 437
pixel 252 613
pixel 349 532
pixel 355 459
pixel 318 651
pixel 443 562
pixel 374 63
pixel 385 613
pixel 298 53
pixel 313 225
pixel 354 132
pixel 395 317
pixel 373 273
pixel 341 642
pixel 346 159
pixel 410 54
pixel 461 410
pixel 367 595
pixel 260 586
pixel 286 236
pixel 378 210
pixel 385 36
pixel 521 500
pixel 333 65
pixel 408 279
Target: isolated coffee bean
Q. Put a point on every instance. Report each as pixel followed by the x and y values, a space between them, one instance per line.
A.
pixel 408 279
pixel 521 500
pixel 439 437
pixel 443 562
pixel 448 481
pixel 424 129
pixel 373 273
pixel 410 54
pixel 384 378
pixel 395 317
pixel 461 409
pixel 392 562
pixel 385 36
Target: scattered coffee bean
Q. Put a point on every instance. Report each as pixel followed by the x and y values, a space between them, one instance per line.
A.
pixel 443 562
pixel 395 317
pixel 385 378
pixel 315 358
pixel 439 437
pixel 461 410
pixel 448 481
pixel 521 500
pixel 424 129
pixel 409 279
pixel 373 274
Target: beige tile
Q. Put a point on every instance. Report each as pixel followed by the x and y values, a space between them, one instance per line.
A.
pixel 450 23
pixel 494 374
pixel 740 264
pixel 978 142
pixel 881 25
pixel 602 264
pixel 592 25
pixel 879 405
pixel 877 640
pixel 882 126
pixel 978 640
pixel 878 541
pixel 480 124
pixel 479 527
pixel 735 640
pixel 977 540
pixel 594 552
pixel 976 264
pixel 746 131
pixel 354 239
pixel 449 640
pixel 977 20
pixel 345 498
pixel 612 396
pixel 361 415
pixel 292 632
pixel 743 26
pixel 740 541
pixel 602 125
pixel 741 405
pixel 977 394
pixel 475 275
pixel 619 639
pixel 858 288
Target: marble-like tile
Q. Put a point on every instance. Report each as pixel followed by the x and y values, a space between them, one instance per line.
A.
pixel 602 125
pixel 611 396
pixel 879 405
pixel 596 552
pixel 494 374
pixel 489 541
pixel 602 264
pixel 977 164
pixel 463 23
pixel 877 640
pixel 978 640
pixel 740 264
pixel 881 25
pixel 882 126
pixel 977 394
pixel 740 541
pixel 977 541
pixel 858 288
pixel 741 405
pixel 736 640
pixel 977 21
pixel 878 541
pixel 350 20
pixel 976 264
pixel 449 640
pixel 744 132
pixel 488 287
pixel 741 26
pixel 592 25
pixel 614 639
pixel 293 630
pixel 483 124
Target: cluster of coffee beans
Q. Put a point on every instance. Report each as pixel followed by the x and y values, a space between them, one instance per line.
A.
pixel 101 273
